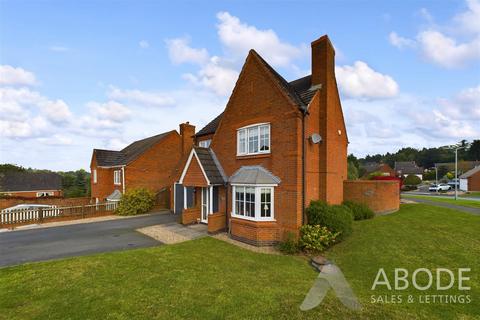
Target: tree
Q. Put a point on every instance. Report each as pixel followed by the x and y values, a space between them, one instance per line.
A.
pixel 412 180
pixel 352 171
pixel 7 167
pixel 474 151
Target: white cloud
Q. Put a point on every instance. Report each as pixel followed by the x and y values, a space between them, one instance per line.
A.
pixel 453 45
pixel 109 111
pixel 144 44
pixel 361 81
pixel 57 111
pixel 58 48
pixel 469 21
pixel 238 38
pixel 180 51
pixel 219 73
pixel 445 51
pixel 215 76
pixel 400 42
pixel 153 99
pixel 56 140
pixel 15 76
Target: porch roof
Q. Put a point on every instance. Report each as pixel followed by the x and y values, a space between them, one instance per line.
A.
pixel 115 196
pixel 254 175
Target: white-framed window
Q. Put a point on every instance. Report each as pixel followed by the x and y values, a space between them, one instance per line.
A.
pixel 45 194
pixel 254 139
pixel 117 177
pixel 94 175
pixel 253 202
pixel 205 143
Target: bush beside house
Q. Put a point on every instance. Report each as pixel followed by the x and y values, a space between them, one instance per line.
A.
pixel 136 201
pixel 360 211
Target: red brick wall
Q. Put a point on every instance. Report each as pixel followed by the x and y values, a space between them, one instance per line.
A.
pixel 104 186
pixel 254 232
pixel 216 222
pixel 194 176
pixel 381 196
pixel 59 202
pixel 474 182
pixel 257 99
pixel 191 215
pixel 155 168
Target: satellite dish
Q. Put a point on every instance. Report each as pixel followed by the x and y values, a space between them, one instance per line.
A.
pixel 315 138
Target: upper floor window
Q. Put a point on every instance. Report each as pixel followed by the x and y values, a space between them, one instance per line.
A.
pixel 94 175
pixel 253 139
pixel 117 177
pixel 205 143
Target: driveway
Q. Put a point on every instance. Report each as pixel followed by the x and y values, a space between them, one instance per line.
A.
pixel 17 247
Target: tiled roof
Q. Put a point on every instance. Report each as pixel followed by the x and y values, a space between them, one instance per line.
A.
pixel 30 181
pixel 209 165
pixel 299 90
pixel 211 127
pixel 408 167
pixel 371 167
pixel 470 173
pixel 111 158
pixel 253 175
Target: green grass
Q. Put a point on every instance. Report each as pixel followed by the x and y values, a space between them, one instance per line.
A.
pixel 210 279
pixel 458 202
pixel 473 194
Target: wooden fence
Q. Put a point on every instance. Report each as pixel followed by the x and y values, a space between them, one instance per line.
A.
pixel 40 215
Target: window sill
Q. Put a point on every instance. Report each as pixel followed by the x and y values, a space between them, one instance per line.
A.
pixel 233 215
pixel 253 156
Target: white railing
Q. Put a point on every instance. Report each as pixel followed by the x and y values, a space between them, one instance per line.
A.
pixel 35 215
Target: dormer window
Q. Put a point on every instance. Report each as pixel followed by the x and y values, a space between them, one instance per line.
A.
pixel 205 143
pixel 254 139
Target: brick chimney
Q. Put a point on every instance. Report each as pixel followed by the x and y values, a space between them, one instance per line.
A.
pixel 187 134
pixel 323 60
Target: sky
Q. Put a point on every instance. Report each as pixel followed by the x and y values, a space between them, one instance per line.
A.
pixel 101 74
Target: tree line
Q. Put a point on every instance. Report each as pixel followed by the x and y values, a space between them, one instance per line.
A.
pixel 74 183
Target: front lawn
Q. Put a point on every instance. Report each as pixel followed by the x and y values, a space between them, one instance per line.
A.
pixel 210 279
pixel 459 202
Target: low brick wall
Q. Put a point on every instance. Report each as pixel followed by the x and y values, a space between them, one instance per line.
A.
pixel 54 201
pixel 216 222
pixel 380 195
pixel 190 215
pixel 254 232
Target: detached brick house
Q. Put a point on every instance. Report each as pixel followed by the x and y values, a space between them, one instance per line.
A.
pixel 406 168
pixel 383 168
pixel 276 146
pixel 151 163
pixel 31 184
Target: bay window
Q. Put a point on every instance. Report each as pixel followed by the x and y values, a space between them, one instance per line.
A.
pixel 253 139
pixel 253 202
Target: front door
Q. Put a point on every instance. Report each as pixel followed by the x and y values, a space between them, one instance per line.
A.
pixel 205 206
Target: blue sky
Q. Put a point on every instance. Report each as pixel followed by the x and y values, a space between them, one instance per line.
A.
pixel 75 76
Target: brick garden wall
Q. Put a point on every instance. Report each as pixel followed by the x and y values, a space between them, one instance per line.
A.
pixel 190 215
pixel 254 232
pixel 380 196
pixel 216 222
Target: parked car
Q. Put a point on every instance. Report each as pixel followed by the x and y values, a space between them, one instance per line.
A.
pixel 27 207
pixel 454 182
pixel 439 187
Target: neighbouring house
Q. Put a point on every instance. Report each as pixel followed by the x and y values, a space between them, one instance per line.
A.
pixel 31 184
pixel 150 163
pixel 470 180
pixel 276 146
pixel 462 165
pixel 383 168
pixel 406 168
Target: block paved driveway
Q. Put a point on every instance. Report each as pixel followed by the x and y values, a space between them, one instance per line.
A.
pixel 17 247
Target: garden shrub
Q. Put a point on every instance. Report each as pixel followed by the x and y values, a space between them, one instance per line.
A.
pixel 290 245
pixel 412 180
pixel 136 201
pixel 360 210
pixel 337 218
pixel 316 238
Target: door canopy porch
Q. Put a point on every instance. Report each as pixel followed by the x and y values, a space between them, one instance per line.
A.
pixel 202 169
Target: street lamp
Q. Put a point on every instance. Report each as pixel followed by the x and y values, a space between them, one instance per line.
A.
pixel 456 169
